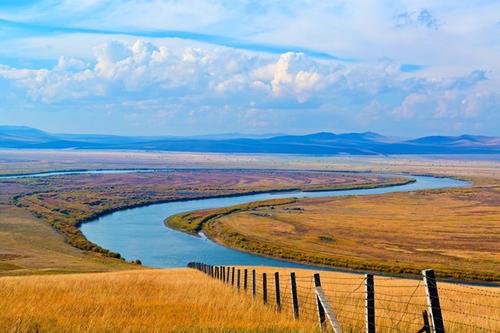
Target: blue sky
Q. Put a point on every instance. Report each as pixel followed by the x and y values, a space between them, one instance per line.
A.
pixel 399 67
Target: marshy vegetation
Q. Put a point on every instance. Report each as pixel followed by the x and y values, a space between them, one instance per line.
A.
pixel 66 201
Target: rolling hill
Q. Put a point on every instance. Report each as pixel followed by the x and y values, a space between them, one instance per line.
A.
pixel 324 143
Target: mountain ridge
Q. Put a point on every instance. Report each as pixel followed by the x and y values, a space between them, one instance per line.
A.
pixel 327 143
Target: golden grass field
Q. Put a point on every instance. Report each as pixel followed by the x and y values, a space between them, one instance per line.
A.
pixel 454 231
pixel 185 300
pixel 398 302
pixel 174 300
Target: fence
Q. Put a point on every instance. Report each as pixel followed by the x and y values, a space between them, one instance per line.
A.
pixel 356 303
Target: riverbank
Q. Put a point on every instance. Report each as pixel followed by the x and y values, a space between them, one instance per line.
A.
pixel 65 201
pixel 193 223
pixel 427 229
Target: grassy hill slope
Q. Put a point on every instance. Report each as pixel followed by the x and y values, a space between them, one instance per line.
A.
pixel 175 300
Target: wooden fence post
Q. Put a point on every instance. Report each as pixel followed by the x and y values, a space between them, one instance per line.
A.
pixel 239 278
pixel 426 328
pixel 245 280
pixel 370 303
pixel 223 274
pixel 277 291
pixel 228 270
pixel 254 286
pixel 431 291
pixel 232 276
pixel 264 287
pixel 324 309
pixel 295 299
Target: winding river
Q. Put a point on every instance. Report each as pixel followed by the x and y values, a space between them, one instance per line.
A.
pixel 139 233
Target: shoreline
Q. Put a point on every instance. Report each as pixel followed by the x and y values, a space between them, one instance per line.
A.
pixel 173 222
pixel 404 179
pixel 113 210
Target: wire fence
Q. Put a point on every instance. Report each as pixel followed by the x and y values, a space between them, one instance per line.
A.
pixel 367 303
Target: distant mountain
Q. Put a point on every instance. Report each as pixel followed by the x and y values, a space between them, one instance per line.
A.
pixel 23 133
pixel 367 143
pixel 462 140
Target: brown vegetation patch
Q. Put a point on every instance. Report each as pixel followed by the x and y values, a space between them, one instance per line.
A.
pixel 455 231
pixel 10 256
pixel 68 200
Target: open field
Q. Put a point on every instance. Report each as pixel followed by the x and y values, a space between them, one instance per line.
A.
pixel 178 300
pixel 400 232
pixel 25 161
pixel 27 243
pixel 398 302
pixel 454 231
pixel 185 300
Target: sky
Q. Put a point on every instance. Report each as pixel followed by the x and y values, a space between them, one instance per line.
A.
pixel 172 67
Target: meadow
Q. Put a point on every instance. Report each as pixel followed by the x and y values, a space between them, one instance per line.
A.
pixel 454 231
pixel 186 300
pixel 14 161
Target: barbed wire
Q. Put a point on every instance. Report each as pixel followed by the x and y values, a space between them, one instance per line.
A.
pixel 347 301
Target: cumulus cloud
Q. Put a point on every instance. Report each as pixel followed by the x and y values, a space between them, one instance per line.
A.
pixel 144 77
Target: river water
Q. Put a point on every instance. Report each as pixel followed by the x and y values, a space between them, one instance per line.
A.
pixel 139 233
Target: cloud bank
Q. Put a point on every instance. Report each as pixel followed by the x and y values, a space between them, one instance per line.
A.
pixel 172 67
pixel 155 81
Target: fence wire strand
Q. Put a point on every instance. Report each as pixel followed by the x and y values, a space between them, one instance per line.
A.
pixel 398 302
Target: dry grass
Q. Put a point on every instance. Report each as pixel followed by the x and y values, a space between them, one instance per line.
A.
pixel 398 302
pixel 184 300
pixel 175 300
pixel 454 231
pixel 30 246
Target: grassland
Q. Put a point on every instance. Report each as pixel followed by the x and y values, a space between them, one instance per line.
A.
pixel 25 161
pixel 177 300
pixel 29 205
pixel 464 221
pixel 454 231
pixel 29 245
pixel 185 300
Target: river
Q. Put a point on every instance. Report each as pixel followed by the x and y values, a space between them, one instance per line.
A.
pixel 139 233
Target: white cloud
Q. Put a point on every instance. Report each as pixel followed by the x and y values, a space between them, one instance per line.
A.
pixel 144 78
